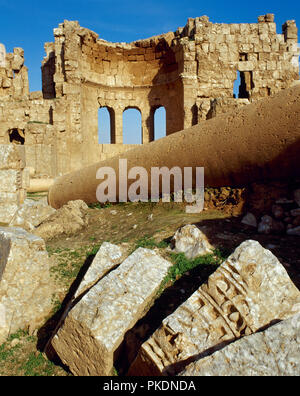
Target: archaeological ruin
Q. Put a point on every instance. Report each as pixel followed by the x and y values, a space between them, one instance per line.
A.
pixel 147 287
pixel 191 73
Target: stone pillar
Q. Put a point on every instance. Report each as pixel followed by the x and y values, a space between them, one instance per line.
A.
pixel 2 55
pixel 12 180
pixel 146 125
pixel 119 125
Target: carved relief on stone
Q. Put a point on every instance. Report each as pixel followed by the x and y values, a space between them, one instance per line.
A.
pixel 247 292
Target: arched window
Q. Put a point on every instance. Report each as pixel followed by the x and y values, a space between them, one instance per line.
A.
pixel 106 125
pixel 159 123
pixel 132 126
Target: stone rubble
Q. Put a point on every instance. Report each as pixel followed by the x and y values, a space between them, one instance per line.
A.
pixel 31 214
pixel 273 352
pixel 26 288
pixel 95 327
pixel 246 293
pixel 68 220
pixel 284 217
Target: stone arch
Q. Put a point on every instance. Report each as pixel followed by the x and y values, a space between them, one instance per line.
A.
pixel 132 125
pixel 106 125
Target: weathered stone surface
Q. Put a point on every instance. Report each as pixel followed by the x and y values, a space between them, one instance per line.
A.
pixel 12 157
pixel 31 214
pixel 7 212
pixel 108 257
pixel 192 242
pixel 250 220
pixel 96 325
pixel 25 285
pixel 273 352
pixel 68 220
pixel 247 292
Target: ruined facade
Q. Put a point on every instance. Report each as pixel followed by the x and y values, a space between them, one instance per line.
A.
pixel 191 73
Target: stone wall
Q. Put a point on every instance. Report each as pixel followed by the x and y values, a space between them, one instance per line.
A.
pixel 13 180
pixel 13 74
pixel 190 72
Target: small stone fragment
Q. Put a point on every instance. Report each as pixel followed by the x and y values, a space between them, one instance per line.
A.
pixel 250 220
pixel 192 242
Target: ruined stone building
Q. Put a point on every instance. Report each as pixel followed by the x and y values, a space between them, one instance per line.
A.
pixel 191 73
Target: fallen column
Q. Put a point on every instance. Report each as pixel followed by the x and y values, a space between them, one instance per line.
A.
pixel 95 327
pixel 259 142
pixel 246 293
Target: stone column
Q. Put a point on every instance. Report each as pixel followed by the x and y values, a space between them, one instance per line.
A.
pixel 119 125
pixel 146 125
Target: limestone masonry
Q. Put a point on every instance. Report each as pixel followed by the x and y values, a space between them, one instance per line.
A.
pixel 190 72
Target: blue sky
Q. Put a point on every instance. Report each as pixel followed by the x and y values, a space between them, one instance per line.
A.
pixel 30 23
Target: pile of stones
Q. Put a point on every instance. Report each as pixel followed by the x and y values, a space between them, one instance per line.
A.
pixel 283 219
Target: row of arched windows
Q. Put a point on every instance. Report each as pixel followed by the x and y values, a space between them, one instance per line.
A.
pixel 132 125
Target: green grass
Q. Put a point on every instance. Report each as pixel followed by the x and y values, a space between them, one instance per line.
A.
pixel 182 265
pixel 149 243
pixel 23 359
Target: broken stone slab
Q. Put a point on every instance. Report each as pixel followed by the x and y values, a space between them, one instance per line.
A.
pixel 31 214
pixel 25 286
pixel 67 220
pixel 192 242
pixel 273 352
pixel 246 293
pixel 108 257
pixel 95 327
